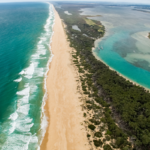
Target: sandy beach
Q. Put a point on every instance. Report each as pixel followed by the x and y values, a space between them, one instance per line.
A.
pixel 64 113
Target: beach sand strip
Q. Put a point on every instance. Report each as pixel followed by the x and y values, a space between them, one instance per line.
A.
pixel 65 117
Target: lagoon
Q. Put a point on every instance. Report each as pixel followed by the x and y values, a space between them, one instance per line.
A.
pixel 75 27
pixel 66 12
pixel 126 47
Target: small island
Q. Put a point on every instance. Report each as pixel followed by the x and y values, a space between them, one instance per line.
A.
pixel 149 35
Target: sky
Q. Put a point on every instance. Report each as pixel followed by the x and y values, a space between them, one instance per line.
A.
pixel 127 1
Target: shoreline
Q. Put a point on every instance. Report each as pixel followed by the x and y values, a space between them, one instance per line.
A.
pixel 96 42
pixel 45 114
pixel 137 84
pixel 62 106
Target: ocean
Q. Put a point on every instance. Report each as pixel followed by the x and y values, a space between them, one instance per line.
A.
pixel 126 47
pixel 25 35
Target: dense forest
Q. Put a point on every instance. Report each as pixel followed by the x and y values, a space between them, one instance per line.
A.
pixel 126 106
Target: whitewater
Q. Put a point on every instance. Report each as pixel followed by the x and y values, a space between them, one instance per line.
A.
pixel 26 125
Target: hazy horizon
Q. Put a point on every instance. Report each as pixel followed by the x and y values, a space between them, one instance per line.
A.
pixel 112 1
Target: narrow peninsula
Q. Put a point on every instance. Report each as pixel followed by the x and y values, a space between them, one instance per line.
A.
pixel 90 106
pixel 116 110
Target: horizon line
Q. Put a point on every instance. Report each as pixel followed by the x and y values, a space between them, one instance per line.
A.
pixel 144 3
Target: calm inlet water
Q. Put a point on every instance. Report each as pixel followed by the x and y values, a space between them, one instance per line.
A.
pixel 25 33
pixel 126 47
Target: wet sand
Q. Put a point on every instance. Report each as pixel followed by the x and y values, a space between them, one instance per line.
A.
pixel 64 112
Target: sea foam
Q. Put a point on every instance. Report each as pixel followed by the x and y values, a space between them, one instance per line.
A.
pixel 44 122
pixel 18 80
pixel 20 121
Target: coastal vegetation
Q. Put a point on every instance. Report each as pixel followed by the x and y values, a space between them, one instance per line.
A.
pixel 149 35
pixel 117 111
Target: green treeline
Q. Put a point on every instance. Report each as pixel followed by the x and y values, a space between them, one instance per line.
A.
pixel 119 97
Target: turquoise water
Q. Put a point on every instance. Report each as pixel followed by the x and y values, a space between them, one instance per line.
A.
pixel 26 30
pixel 115 61
pixel 126 47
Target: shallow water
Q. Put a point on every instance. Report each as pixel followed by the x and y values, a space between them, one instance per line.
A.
pixel 75 27
pixel 66 12
pixel 126 47
pixel 26 30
